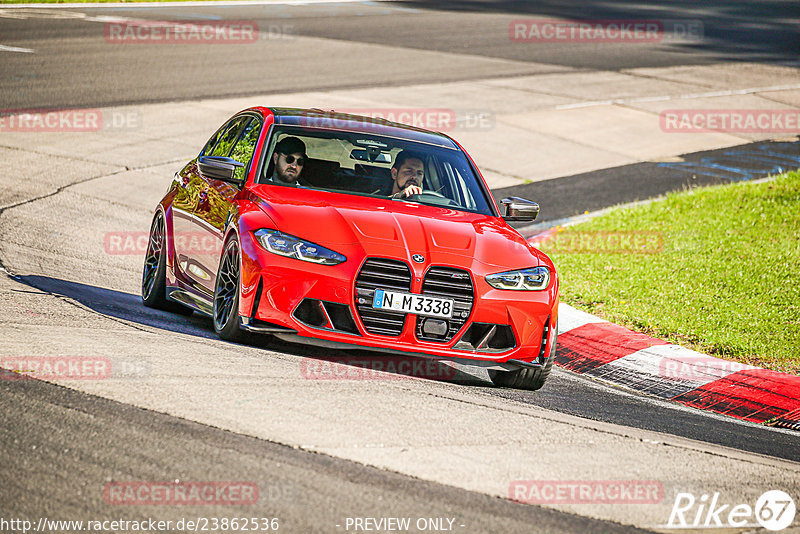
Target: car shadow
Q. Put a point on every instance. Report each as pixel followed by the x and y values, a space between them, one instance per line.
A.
pixel 318 364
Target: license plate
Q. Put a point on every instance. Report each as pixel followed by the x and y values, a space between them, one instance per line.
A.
pixel 410 303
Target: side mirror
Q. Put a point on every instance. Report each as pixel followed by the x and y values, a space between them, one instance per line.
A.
pixel 219 168
pixel 520 209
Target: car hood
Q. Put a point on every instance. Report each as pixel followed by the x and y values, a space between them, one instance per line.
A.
pixel 383 227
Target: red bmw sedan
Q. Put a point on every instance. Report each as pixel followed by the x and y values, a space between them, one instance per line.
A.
pixel 353 232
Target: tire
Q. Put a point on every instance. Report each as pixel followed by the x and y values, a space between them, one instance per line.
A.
pixel 154 272
pixel 527 377
pixel 226 295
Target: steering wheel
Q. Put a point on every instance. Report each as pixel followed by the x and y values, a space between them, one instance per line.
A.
pixel 432 197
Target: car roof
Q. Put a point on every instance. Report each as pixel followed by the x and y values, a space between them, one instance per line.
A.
pixel 332 120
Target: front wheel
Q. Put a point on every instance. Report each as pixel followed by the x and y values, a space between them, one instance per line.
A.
pixel 154 273
pixel 527 377
pixel 226 295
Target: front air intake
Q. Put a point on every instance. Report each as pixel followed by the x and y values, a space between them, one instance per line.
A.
pixel 545 335
pixel 451 283
pixel 487 337
pixel 381 273
pixel 326 316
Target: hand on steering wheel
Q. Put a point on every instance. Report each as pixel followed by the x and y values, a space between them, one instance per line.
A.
pixel 432 197
pixel 408 191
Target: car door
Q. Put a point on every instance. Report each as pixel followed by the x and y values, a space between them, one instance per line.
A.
pixel 189 186
pixel 216 204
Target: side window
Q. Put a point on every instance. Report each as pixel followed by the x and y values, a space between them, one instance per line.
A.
pixel 464 193
pixel 229 137
pixel 457 188
pixel 211 142
pixel 243 151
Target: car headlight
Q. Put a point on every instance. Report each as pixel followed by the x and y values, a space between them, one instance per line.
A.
pixel 294 247
pixel 532 279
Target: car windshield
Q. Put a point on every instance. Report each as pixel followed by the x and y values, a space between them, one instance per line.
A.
pixel 361 164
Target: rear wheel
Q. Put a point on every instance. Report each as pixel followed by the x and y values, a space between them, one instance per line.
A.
pixel 154 273
pixel 226 295
pixel 527 377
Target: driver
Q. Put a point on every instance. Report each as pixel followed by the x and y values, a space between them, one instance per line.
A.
pixel 288 158
pixel 407 171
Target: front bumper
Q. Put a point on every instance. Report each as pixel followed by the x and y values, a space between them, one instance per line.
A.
pixel 309 303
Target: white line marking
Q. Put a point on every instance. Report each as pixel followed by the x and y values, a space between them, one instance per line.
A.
pixel 5 48
pixel 570 318
pixel 225 3
pixel 40 14
pixel 709 94
pixel 670 368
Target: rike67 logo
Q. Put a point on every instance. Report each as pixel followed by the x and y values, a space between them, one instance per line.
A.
pixel 774 510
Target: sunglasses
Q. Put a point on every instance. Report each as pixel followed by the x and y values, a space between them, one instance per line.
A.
pixel 290 159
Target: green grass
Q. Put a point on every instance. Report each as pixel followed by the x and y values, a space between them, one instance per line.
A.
pixel 725 281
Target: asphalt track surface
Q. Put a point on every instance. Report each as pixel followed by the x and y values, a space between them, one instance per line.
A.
pixel 67 433
pixel 568 196
pixel 102 438
pixel 85 70
pixel 566 392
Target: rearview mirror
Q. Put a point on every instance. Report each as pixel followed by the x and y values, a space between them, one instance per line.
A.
pixel 520 209
pixel 372 154
pixel 219 168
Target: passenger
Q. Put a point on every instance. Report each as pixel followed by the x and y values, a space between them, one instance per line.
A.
pixel 408 172
pixel 288 160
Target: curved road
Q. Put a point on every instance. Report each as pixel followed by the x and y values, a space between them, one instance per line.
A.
pixel 190 407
